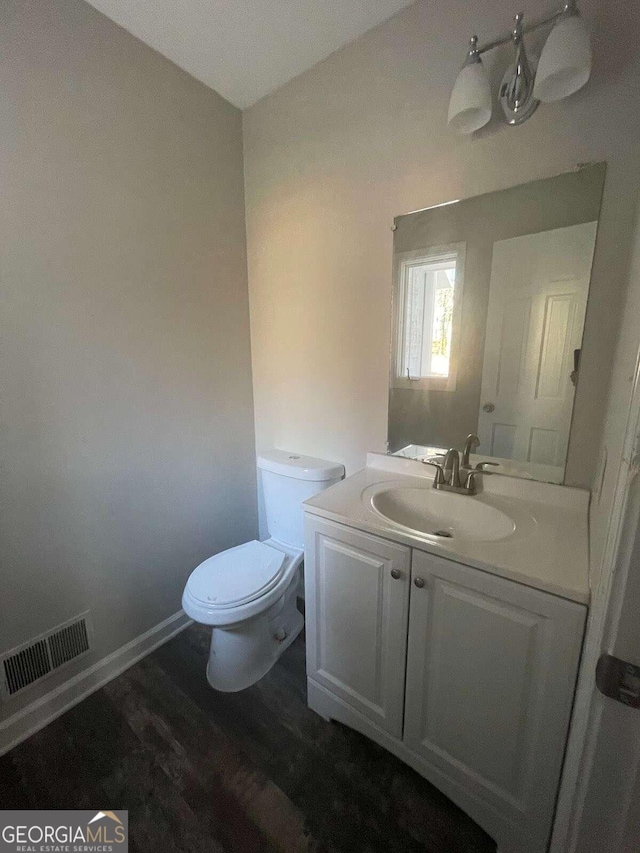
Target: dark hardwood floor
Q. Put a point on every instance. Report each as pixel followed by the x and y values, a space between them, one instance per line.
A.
pixel 243 772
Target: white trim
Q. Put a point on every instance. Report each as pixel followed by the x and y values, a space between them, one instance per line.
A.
pixel 585 722
pixel 44 710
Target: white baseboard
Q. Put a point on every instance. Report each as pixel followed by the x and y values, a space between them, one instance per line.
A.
pixel 44 710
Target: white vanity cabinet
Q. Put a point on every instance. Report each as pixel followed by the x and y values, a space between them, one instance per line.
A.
pixel 466 676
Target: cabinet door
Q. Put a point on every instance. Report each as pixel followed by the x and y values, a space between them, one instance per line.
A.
pixel 357 598
pixel 490 681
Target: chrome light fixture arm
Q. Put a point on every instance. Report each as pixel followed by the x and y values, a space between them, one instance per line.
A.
pixel 570 8
pixel 473 56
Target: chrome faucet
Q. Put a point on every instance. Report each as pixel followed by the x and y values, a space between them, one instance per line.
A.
pixel 455 474
pixel 451 467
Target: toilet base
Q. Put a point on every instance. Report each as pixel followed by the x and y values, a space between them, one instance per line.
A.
pixel 242 654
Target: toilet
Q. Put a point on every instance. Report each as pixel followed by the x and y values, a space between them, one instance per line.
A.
pixel 248 593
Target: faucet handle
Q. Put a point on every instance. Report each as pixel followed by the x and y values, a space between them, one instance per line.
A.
pixel 470 483
pixel 481 466
pixel 438 479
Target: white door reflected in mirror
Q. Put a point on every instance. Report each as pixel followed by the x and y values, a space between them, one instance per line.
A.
pixel 537 302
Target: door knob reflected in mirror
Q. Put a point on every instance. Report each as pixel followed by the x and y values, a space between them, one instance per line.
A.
pixel 488 407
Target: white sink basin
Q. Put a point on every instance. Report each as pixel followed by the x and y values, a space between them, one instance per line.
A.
pixel 443 514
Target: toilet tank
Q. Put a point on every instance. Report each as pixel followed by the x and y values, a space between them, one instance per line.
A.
pixel 288 479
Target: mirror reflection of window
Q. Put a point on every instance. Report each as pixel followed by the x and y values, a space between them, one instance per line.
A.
pixel 443 322
pixel 428 318
pixel 429 285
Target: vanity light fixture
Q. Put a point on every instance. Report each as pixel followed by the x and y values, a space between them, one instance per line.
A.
pixel 564 67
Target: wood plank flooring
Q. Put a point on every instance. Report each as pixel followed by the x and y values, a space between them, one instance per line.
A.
pixel 207 772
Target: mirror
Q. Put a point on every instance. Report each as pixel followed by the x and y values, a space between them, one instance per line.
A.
pixel 489 301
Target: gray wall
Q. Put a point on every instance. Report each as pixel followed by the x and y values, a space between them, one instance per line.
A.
pixel 332 157
pixel 445 418
pixel 127 423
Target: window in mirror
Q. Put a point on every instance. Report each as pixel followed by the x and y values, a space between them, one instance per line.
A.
pixel 429 283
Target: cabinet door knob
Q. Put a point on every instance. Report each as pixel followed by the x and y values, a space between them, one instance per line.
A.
pixel 396 574
pixel 419 582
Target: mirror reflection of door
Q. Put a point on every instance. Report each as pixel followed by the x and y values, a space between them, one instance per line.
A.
pixel 537 301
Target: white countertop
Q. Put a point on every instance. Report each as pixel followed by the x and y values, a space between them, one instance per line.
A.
pixel 511 467
pixel 548 550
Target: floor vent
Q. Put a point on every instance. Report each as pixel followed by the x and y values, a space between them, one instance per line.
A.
pixel 41 656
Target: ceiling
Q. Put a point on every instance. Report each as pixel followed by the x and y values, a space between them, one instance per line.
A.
pixel 246 48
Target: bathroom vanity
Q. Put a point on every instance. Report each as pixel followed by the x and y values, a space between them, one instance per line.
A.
pixel 448 628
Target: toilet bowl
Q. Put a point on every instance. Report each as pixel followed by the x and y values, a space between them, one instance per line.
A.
pixel 248 594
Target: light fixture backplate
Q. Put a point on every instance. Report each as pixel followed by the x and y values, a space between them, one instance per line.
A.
pixel 512 117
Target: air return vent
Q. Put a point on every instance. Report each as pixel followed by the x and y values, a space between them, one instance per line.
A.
pixel 37 658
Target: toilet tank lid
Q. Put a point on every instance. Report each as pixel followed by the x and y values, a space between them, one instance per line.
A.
pixel 300 467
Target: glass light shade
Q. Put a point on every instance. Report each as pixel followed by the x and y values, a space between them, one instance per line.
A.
pixel 565 63
pixel 470 104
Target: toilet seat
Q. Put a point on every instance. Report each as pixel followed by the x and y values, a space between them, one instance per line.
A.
pixel 236 576
pixel 240 583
